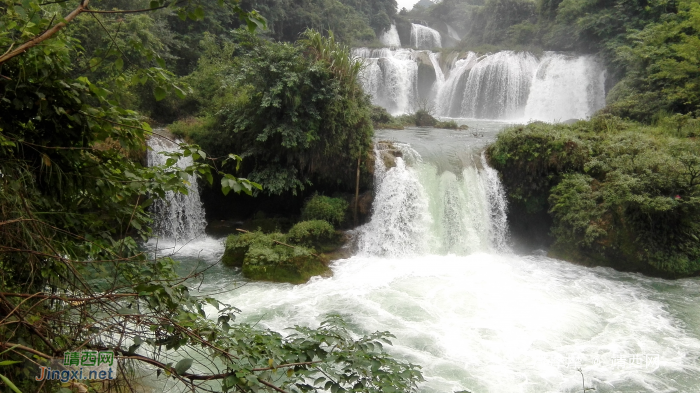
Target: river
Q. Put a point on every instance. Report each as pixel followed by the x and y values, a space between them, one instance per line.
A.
pixel 473 314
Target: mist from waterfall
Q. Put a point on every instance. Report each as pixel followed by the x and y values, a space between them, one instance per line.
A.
pixel 506 85
pixel 176 217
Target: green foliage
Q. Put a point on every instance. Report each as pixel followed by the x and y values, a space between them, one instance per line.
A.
pixel 73 197
pixel 423 118
pixel 318 234
pixel 450 125
pixel 662 66
pixel 381 119
pixel 354 21
pixel 621 194
pixel 268 257
pixel 296 112
pixel 321 207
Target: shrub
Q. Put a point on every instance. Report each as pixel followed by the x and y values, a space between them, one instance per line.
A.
pixel 423 118
pixel 325 208
pixel 451 125
pixel 379 115
pixel 619 193
pixel 317 233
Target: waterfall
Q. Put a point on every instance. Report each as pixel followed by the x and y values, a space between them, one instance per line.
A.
pixel 391 38
pixel 423 37
pixel 390 77
pixel 506 85
pixel 449 96
pixel 566 87
pixel 420 211
pixel 453 33
pixel 177 216
pixel 498 86
pixel 439 75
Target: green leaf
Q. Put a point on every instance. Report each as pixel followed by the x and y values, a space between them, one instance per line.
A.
pixel 183 365
pixel 8 362
pixel 10 384
pixel 199 13
pixel 119 64
pixel 159 93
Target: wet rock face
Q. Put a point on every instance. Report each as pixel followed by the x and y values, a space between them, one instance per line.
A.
pixel 388 153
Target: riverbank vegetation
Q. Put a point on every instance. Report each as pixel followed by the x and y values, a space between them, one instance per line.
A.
pixel 381 119
pixel 618 193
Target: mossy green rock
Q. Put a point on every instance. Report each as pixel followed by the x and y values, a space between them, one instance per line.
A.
pixel 318 234
pixel 261 258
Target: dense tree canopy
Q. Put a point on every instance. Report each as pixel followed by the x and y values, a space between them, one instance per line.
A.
pixel 296 113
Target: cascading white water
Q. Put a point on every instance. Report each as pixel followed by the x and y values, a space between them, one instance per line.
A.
pixel 566 87
pixel 476 319
pixel 439 75
pixel 504 86
pixel 177 216
pixel 498 86
pixel 390 77
pixel 390 38
pixel 423 37
pixel 453 33
pixel 448 99
pixel 418 210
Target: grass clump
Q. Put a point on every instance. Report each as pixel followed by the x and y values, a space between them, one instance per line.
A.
pixel 619 193
pixel 320 207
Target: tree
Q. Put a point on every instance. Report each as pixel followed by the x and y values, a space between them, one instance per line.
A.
pixel 73 200
pixel 296 112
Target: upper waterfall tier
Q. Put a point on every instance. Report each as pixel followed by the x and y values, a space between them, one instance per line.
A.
pixel 177 216
pixel 390 38
pixel 506 85
pixel 423 37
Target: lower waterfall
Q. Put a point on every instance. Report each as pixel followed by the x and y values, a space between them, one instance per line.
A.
pixel 176 217
pixel 433 269
pixel 420 211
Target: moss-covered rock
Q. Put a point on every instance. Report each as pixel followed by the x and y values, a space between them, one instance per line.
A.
pixel 270 257
pixel 388 153
pixel 318 234
pixel 613 193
